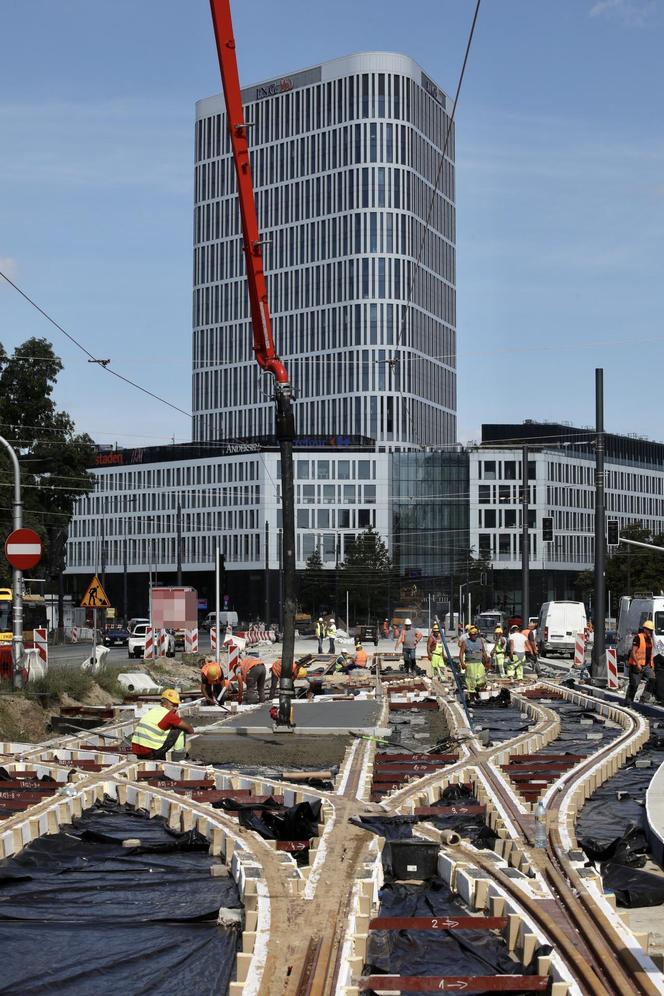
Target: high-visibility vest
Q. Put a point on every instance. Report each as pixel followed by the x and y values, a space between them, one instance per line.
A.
pixel 245 666
pixel 361 657
pixel 331 630
pixel 437 655
pixel 637 656
pixel 148 733
pixel 319 629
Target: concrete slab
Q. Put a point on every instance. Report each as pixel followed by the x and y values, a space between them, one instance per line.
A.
pixel 311 718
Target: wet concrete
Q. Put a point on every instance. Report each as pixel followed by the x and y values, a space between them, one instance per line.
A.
pixel 280 751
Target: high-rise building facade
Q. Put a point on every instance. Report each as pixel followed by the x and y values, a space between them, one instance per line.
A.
pixel 350 192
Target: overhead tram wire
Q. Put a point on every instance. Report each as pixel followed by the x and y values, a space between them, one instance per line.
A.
pixel 92 359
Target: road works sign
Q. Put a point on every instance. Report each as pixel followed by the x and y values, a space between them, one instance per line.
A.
pixel 95 596
pixel 23 549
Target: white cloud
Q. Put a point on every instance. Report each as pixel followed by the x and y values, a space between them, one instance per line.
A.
pixel 9 266
pixel 631 12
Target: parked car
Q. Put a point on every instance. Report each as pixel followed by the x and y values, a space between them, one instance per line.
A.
pixel 115 636
pixel 367 634
pixel 137 621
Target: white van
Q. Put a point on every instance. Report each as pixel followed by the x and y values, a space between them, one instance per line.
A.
pixel 633 613
pixel 558 625
pixel 225 619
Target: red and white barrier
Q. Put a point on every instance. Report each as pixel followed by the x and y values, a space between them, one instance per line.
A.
pixel 191 641
pixel 233 656
pixel 163 643
pixel 580 651
pixel 213 639
pixel 74 634
pixel 40 640
pixel 612 668
pixel 148 653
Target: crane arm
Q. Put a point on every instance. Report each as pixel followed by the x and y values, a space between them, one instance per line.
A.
pixel 264 347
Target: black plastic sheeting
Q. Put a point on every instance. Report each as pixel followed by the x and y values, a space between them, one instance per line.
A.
pixel 572 738
pixel 80 914
pixel 470 826
pixel 611 829
pixel 499 718
pixel 435 952
pixel 276 822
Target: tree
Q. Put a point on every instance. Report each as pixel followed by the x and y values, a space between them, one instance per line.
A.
pixel 316 584
pixel 630 568
pixel 365 573
pixel 53 457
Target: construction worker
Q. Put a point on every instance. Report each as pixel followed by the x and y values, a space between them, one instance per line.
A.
pixel 531 646
pixel 435 651
pixel 472 660
pixel 640 663
pixel 298 671
pixel 160 729
pixel 386 629
pixel 320 633
pixel 250 672
pixel 213 684
pixel 408 639
pixel 499 650
pixel 331 634
pixel 517 647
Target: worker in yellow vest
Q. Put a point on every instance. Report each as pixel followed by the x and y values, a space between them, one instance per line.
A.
pixel 160 729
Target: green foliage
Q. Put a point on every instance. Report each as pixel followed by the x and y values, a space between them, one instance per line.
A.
pixel 53 457
pixel 60 681
pixel 316 585
pixel 107 679
pixel 629 569
pixel 366 573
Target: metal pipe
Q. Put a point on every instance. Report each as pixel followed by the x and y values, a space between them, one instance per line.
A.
pixel 267 574
pixel 598 669
pixel 217 582
pixel 178 540
pixel 17 576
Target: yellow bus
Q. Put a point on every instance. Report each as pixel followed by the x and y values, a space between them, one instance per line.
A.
pixel 34 615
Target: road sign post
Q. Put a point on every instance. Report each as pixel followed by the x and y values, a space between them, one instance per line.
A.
pixel 17 576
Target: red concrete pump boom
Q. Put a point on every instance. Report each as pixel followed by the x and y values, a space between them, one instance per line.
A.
pixel 264 347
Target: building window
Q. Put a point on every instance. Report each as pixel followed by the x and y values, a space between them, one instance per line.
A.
pixel 328 494
pixel 485 544
pixel 308 545
pixel 323 515
pixel 343 470
pixel 510 470
pixel 489 470
pixel 363 518
pixel 364 470
pixel 303 518
pixel 303 470
pixel 323 470
pixel 343 518
pixel 484 494
pixel 489 518
pixel 308 494
pixel 510 518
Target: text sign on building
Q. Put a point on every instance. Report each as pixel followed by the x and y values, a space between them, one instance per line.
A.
pixel 23 549
pixel 433 90
pixel 272 89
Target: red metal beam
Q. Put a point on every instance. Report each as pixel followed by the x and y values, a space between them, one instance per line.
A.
pixel 438 923
pixel 455 983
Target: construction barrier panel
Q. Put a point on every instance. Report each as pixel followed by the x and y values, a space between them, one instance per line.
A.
pixel 580 651
pixel 213 639
pixel 191 641
pixel 148 653
pixel 612 668
pixel 74 634
pixel 40 640
pixel 163 642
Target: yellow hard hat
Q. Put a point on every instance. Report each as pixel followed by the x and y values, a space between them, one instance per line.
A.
pixel 648 624
pixel 498 629
pixel 171 696
pixel 214 672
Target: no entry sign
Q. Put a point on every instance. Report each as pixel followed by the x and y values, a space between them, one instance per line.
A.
pixel 23 549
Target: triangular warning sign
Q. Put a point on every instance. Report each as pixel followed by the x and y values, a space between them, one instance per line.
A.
pixel 95 596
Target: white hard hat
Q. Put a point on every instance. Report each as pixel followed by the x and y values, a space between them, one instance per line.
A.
pixel 331 620
pixel 407 622
pixel 320 619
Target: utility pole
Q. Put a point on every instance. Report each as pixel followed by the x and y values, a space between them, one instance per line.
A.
pixel 525 543
pixel 217 599
pixel 124 571
pixel 178 540
pixel 598 669
pixel 267 574
pixel 17 576
pixel 336 579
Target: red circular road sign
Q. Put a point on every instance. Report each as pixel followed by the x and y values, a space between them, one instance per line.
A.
pixel 23 549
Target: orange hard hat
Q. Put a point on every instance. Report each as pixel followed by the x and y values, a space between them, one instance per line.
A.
pixel 213 672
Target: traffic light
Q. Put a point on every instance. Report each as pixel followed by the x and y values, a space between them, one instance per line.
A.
pixel 547 529
pixel 483 579
pixel 613 532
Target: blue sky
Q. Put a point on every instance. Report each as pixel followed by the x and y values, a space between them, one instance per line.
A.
pixel 560 156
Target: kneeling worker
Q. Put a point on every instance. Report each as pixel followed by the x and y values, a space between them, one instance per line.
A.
pixel 213 685
pixel 160 729
pixel 298 672
pixel 250 671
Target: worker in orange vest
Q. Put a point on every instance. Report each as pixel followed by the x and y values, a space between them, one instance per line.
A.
pixel 213 684
pixel 250 673
pixel 640 662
